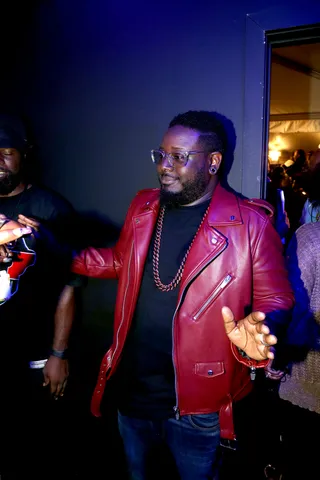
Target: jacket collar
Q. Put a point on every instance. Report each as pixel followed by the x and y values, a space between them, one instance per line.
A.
pixel 224 207
pixel 224 210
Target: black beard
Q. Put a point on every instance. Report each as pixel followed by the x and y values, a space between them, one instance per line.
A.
pixel 9 183
pixel 192 191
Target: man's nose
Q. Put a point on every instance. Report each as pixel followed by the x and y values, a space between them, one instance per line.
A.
pixel 166 164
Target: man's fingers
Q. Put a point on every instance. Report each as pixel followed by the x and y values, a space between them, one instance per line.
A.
pixel 265 344
pixel 28 221
pixel 22 230
pixel 228 318
pixel 270 354
pixel 4 252
pixel 256 317
pixel 63 386
pixel 46 381
pixel 18 232
pixel 54 387
pixel 265 340
pixel 7 236
pixel 267 352
pixel 264 328
pixel 253 318
pixel 60 389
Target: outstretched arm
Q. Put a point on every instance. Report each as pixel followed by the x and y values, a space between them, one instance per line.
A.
pixel 56 370
pixel 11 230
pixel 7 236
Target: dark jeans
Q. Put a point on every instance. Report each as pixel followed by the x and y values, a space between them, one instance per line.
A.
pixel 192 441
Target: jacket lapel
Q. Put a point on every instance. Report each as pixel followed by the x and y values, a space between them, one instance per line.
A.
pixel 143 226
pixel 210 242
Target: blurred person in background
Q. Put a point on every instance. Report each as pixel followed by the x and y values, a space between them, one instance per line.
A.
pixel 311 208
pixel 37 311
pixel 298 366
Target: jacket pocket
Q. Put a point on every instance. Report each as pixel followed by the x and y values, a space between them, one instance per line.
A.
pixel 216 292
pixel 209 369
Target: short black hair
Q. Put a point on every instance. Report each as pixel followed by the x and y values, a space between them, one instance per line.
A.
pixel 12 133
pixel 207 123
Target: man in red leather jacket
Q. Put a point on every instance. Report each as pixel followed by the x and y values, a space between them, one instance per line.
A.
pixel 202 292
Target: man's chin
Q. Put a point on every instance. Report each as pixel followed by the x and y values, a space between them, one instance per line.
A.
pixel 8 184
pixel 172 198
pixel 168 197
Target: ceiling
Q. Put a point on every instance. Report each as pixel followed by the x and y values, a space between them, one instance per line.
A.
pixel 307 55
pixel 295 98
pixel 295 85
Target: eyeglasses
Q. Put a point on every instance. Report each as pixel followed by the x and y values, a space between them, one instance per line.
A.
pixel 179 159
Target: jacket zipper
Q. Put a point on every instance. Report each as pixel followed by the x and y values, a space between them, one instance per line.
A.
pixel 123 303
pixel 214 294
pixel 176 407
pixel 253 373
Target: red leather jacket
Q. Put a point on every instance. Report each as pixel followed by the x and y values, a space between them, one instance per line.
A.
pixel 236 260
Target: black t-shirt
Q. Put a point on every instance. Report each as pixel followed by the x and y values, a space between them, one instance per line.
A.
pixel 38 273
pixel 145 379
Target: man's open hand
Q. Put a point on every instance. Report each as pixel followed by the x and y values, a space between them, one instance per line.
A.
pixel 250 334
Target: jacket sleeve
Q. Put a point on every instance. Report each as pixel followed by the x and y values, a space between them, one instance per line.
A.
pixel 272 292
pixel 105 262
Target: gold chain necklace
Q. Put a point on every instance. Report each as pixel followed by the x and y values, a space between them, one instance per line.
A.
pixel 156 254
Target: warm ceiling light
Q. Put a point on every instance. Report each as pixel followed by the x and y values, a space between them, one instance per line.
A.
pixel 274 155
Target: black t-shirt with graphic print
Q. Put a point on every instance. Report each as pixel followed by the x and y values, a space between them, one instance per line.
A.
pixel 38 272
pixel 145 380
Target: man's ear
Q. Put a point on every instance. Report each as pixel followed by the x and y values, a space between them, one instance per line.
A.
pixel 216 159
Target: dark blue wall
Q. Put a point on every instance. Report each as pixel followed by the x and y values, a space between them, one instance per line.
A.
pixel 101 79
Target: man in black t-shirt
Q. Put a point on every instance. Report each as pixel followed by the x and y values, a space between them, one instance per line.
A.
pixel 36 316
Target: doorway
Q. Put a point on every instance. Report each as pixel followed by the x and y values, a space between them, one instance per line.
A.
pixel 294 127
pixel 294 109
pixel 267 31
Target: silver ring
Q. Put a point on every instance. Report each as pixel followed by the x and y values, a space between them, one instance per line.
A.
pixel 263 340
